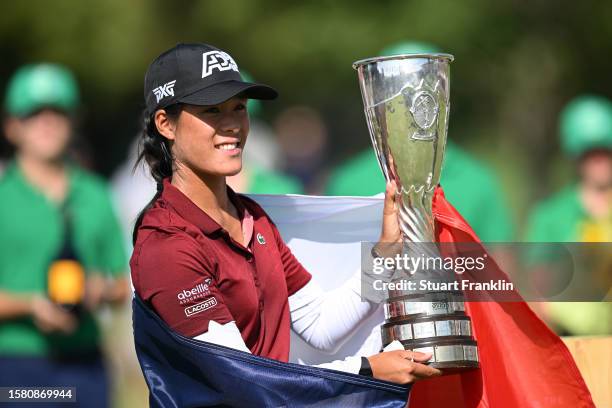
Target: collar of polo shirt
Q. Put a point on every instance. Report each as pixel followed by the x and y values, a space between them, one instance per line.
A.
pixel 192 213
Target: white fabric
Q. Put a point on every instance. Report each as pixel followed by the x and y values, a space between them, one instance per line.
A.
pixel 227 335
pixel 325 234
pixel 394 345
pixel 325 320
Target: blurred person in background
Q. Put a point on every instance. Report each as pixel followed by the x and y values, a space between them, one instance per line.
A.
pixel 61 251
pixel 302 135
pixel 470 185
pixel 582 210
pixel 260 171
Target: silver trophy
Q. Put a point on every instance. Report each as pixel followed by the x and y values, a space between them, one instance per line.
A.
pixel 406 102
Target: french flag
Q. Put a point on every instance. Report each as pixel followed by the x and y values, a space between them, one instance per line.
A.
pixel 522 362
pixel 183 372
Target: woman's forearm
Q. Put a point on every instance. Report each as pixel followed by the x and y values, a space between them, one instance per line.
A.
pixel 14 306
pixel 326 319
pixel 228 335
pixel 118 291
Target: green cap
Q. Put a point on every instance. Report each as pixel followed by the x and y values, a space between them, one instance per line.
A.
pixel 38 86
pixel 409 47
pixel 586 123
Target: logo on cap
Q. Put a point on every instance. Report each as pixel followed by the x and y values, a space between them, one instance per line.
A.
pixel 219 60
pixel 166 89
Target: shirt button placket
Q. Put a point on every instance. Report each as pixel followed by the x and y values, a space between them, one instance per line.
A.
pixel 250 260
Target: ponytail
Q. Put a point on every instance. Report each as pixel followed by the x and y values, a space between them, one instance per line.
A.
pixel 155 151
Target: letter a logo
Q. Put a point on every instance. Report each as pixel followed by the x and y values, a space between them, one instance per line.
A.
pixel 218 60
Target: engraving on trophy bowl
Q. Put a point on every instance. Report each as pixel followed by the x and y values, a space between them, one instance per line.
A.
pixel 424 109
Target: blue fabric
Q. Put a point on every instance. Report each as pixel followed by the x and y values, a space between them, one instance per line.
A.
pixel 183 372
pixel 88 376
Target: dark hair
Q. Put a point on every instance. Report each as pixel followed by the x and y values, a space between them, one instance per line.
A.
pixel 154 149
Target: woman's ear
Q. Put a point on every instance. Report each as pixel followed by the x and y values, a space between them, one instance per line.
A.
pixel 165 126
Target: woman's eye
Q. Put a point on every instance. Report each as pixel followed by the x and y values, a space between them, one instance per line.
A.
pixel 241 107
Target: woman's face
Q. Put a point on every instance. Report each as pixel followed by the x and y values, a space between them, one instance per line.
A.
pixel 595 169
pixel 42 136
pixel 210 139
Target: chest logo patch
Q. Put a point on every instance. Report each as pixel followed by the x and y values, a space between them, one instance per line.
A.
pixel 261 239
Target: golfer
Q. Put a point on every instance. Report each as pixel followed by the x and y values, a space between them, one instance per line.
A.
pixel 210 262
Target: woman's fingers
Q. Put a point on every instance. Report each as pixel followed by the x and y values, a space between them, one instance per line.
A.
pixel 418 370
pixel 390 225
pixel 390 194
pixel 421 371
pixel 399 366
pixel 420 357
pixel 415 356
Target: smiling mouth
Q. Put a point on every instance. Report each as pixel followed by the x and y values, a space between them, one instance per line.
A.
pixel 228 146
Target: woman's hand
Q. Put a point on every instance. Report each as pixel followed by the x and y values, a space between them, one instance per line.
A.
pixel 95 286
pixel 402 366
pixel 391 233
pixel 100 290
pixel 49 317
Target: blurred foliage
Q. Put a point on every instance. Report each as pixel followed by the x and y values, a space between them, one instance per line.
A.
pixel 517 62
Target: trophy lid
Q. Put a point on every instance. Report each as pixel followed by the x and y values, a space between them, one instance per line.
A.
pixel 366 61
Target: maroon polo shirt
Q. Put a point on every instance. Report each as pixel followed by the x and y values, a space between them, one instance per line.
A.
pixel 188 268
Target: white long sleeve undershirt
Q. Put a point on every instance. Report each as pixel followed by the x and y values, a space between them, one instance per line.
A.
pixel 322 319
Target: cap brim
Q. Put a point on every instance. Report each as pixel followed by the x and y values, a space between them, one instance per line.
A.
pixel 222 91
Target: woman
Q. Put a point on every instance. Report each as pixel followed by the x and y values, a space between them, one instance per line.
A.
pixel 61 252
pixel 209 261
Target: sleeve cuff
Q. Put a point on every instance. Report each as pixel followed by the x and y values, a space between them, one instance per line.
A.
pixel 365 369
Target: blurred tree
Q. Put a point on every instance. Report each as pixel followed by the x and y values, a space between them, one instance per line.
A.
pixel 516 63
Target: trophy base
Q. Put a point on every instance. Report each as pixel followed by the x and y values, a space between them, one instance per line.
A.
pixel 455 367
pixel 451 356
pixel 419 329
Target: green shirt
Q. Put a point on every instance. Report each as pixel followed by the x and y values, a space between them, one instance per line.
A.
pixel 469 185
pixel 270 182
pixel 31 237
pixel 562 218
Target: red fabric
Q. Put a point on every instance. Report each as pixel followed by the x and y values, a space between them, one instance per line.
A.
pixel 523 363
pixel 191 271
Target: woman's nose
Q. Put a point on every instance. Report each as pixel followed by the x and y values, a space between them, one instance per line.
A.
pixel 230 124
